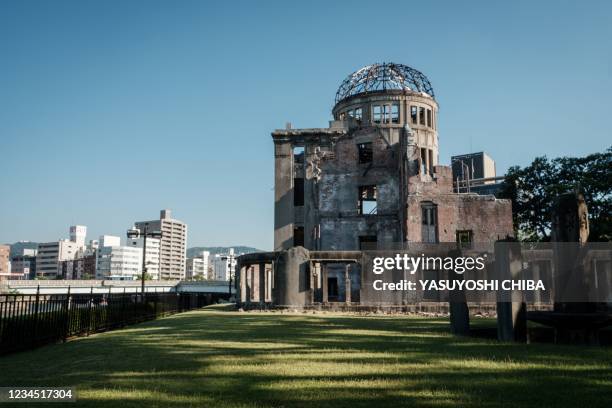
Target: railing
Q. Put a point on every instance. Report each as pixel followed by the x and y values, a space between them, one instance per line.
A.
pixel 29 321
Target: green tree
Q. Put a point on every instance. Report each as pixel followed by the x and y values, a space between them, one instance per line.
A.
pixel 533 190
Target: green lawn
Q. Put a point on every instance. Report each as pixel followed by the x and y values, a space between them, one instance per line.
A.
pixel 217 358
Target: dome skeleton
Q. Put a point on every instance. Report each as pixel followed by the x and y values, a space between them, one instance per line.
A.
pixel 383 77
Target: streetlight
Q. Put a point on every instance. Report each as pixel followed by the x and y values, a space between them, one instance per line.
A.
pixel 145 233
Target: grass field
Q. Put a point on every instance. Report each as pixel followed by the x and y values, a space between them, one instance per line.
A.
pixel 217 358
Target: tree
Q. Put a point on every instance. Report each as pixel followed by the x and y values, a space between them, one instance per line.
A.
pixel 533 190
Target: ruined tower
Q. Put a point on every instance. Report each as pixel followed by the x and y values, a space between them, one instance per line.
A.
pixel 372 179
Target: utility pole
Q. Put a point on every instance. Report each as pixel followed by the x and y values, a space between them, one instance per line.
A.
pixel 145 233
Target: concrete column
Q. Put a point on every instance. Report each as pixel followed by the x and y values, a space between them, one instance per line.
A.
pixel 283 195
pixel 347 283
pixel 262 283
pixel 511 309
pixel 243 284
pixel 311 273
pixel 290 274
pixel 324 283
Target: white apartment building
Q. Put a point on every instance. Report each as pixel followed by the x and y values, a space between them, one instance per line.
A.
pixel 197 268
pixel 173 248
pixel 118 262
pixel 52 254
pixel 78 233
pixel 151 256
pixel 224 265
pixel 108 241
pixel 49 256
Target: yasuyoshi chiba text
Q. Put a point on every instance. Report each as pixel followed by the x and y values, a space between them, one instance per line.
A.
pixel 458 265
pixel 467 285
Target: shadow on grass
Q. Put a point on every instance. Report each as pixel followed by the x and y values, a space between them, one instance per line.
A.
pixel 214 357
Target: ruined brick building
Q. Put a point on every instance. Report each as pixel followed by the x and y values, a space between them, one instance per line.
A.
pixel 371 180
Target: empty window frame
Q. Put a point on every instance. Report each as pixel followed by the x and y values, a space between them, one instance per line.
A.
pixel 386 109
pixel 368 242
pixel 429 124
pixel 430 162
pixel 413 114
pixel 395 113
pixel 424 166
pixel 358 113
pixel 429 222
pixel 464 238
pixel 421 115
pixel 365 152
pixel 367 200
pixel 298 191
pixel 298 236
pixel 377 114
pixel 382 113
pixel 298 154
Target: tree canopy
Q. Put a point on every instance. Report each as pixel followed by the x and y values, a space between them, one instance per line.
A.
pixel 533 190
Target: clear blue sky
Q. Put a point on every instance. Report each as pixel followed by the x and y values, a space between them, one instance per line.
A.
pixel 112 110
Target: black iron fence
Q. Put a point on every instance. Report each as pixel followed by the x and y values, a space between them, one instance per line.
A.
pixel 29 321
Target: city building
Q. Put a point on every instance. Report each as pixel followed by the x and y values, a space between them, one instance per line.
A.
pixel 475 173
pixel 197 268
pixel 114 261
pixel 151 256
pixel 51 254
pixel 23 264
pixel 173 246
pixel 108 241
pixel 372 180
pixel 5 264
pixel 78 234
pixel 224 265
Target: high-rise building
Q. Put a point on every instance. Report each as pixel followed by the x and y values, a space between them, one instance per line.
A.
pixel 197 268
pixel 173 247
pixel 224 265
pixel 151 256
pixel 78 233
pixel 114 261
pixel 49 256
pixel 108 241
pixel 5 265
pixel 23 264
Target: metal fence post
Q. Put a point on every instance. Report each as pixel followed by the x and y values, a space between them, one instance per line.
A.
pixel 89 312
pixel 66 314
pixel 35 317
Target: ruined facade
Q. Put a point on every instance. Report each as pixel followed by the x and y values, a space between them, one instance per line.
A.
pixel 371 180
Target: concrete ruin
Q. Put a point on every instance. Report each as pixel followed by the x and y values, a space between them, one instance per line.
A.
pixel 371 180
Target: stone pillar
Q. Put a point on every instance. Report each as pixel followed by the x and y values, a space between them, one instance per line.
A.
pixel 347 284
pixel 242 282
pixel 290 273
pixel 324 293
pixel 311 276
pixel 249 283
pixel 569 232
pixel 511 308
pixel 458 308
pixel 459 314
pixel 262 283
pixel 283 194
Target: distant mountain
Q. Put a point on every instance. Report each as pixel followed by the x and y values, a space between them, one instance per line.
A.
pixel 18 247
pixel 238 249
